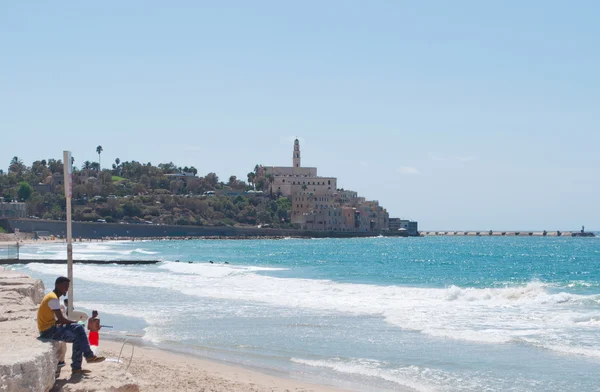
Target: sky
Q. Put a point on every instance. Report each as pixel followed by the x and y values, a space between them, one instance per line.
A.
pixel 462 115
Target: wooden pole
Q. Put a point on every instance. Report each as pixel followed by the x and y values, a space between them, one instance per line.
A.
pixel 68 173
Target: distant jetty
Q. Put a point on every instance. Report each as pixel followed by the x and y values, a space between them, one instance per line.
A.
pixel 492 233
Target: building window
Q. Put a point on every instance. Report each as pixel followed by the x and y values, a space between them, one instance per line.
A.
pixel 328 182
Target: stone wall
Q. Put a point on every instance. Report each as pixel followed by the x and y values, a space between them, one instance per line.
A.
pixel 100 230
pixel 26 363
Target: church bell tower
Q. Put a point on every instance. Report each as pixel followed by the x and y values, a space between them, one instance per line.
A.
pixel 296 153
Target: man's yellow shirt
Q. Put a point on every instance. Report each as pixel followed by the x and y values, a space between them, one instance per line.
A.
pixel 45 315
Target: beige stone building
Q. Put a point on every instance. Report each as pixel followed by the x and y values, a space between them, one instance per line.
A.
pixel 292 179
pixel 317 204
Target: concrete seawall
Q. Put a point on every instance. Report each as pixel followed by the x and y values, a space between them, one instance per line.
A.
pixel 103 230
pixel 26 363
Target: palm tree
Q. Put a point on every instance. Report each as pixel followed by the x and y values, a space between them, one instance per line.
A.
pixel 271 179
pixel 16 165
pixel 99 150
pixel 251 178
pixel 87 165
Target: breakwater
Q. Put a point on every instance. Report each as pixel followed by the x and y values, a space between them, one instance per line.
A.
pixel 50 261
pixel 492 233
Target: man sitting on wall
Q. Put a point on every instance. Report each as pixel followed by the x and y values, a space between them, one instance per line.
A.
pixel 53 325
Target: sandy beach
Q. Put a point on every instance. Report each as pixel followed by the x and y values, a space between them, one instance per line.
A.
pixel 28 364
pixel 158 370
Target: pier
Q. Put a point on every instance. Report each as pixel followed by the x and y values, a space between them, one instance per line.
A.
pixel 492 233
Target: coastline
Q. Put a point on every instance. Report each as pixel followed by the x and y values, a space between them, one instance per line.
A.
pixel 155 369
pixel 152 369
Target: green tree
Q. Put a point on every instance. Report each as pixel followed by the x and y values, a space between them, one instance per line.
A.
pixel 270 179
pixel 99 150
pixel 212 179
pixel 16 166
pixel 117 167
pixel 55 166
pixel 131 209
pixel 25 190
pixel 38 168
pixel 251 178
pixel 261 184
pixel 35 205
pixel 145 180
pixel 232 181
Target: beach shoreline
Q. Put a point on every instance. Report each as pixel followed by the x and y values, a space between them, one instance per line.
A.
pixel 156 369
pixel 151 368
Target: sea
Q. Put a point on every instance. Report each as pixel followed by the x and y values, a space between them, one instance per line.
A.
pixel 367 314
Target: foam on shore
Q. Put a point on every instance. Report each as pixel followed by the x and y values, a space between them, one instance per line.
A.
pixel 529 314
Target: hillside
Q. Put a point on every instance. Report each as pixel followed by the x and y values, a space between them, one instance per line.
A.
pixel 144 193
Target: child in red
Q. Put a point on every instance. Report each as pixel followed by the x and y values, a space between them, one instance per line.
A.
pixel 94 327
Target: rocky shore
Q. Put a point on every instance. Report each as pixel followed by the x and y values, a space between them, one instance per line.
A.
pixel 26 363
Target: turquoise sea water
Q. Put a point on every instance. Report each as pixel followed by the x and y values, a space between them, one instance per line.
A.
pixel 433 314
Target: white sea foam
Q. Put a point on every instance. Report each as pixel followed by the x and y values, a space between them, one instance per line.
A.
pixel 82 250
pixel 143 251
pixel 415 377
pixel 528 314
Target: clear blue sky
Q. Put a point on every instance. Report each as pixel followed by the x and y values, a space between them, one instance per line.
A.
pixel 461 115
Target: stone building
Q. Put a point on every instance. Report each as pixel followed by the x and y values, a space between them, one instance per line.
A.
pixel 317 204
pixel 411 227
pixel 292 179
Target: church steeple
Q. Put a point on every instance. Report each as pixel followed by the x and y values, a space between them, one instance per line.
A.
pixel 296 153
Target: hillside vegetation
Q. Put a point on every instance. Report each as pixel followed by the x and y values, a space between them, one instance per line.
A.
pixel 134 192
